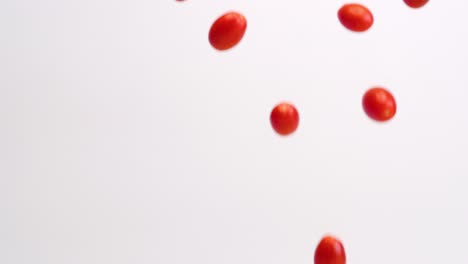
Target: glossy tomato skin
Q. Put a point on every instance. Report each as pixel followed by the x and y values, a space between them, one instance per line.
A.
pixel 227 31
pixel 379 104
pixel 355 17
pixel 416 3
pixel 284 118
pixel 330 250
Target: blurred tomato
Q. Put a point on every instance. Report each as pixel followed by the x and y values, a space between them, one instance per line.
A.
pixel 284 118
pixel 330 250
pixel 355 17
pixel 416 3
pixel 227 31
pixel 379 104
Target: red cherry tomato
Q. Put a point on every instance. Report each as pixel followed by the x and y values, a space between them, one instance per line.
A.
pixel 227 31
pixel 379 104
pixel 416 3
pixel 330 250
pixel 355 17
pixel 284 118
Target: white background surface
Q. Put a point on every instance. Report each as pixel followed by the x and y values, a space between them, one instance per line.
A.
pixel 125 138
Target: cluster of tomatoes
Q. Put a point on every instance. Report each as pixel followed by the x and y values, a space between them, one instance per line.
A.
pixel 378 103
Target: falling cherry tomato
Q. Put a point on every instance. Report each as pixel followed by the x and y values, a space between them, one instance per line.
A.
pixel 330 250
pixel 416 3
pixel 379 104
pixel 355 17
pixel 227 31
pixel 284 118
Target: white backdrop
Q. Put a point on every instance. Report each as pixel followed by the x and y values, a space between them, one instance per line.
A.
pixel 125 138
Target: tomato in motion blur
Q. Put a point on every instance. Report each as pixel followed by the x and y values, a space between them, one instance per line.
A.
pixel 227 31
pixel 416 3
pixel 355 17
pixel 379 104
pixel 284 118
pixel 330 250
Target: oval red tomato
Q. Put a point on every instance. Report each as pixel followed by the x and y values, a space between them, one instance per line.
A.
pixel 416 3
pixel 330 250
pixel 227 31
pixel 355 17
pixel 284 118
pixel 379 104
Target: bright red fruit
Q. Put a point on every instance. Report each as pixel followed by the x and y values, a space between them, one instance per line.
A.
pixel 330 250
pixel 416 3
pixel 227 31
pixel 355 17
pixel 284 118
pixel 379 104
